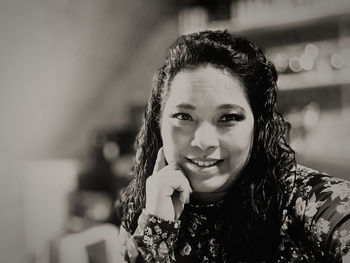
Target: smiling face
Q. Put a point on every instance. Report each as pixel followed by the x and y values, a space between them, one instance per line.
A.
pixel 207 127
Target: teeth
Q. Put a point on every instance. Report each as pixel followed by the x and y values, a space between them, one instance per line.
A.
pixel 205 164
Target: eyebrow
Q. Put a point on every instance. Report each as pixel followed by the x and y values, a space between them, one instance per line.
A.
pixel 186 106
pixel 221 107
pixel 231 106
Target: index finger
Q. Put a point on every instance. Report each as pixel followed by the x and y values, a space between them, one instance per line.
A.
pixel 160 161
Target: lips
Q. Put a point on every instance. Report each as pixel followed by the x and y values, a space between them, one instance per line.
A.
pixel 204 163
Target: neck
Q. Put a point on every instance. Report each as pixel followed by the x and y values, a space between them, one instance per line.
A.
pixel 207 198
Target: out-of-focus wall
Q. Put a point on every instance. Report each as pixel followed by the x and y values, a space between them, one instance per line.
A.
pixel 60 60
pixel 67 68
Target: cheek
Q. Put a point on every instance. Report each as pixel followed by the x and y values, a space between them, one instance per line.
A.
pixel 175 141
pixel 239 144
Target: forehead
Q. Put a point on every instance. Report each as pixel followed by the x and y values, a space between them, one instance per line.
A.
pixel 206 84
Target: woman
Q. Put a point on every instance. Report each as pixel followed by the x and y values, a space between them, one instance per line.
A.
pixel 215 179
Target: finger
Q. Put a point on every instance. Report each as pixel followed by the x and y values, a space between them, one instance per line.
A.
pixel 167 171
pixel 178 205
pixel 188 188
pixel 185 195
pixel 172 167
pixel 173 180
pixel 180 183
pixel 160 161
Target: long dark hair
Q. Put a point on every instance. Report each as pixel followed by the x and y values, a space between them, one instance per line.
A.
pixel 271 159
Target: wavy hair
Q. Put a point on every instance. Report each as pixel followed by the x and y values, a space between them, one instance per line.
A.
pixel 271 160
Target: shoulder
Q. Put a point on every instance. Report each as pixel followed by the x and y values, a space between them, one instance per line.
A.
pixel 303 174
pixel 321 185
pixel 323 195
pixel 319 189
pixel 306 181
pixel 320 203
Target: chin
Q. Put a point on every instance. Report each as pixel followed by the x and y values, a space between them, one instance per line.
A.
pixel 209 186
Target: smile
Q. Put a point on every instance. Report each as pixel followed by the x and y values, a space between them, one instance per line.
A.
pixel 205 163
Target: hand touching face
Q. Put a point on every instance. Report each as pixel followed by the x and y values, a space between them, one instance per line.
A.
pixel 167 189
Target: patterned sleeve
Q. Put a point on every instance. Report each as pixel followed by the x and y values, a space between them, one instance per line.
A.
pixel 153 241
pixel 321 205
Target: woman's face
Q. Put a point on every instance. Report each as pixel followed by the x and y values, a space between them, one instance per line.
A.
pixel 207 127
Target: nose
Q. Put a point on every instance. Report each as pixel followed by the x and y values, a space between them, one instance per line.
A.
pixel 205 137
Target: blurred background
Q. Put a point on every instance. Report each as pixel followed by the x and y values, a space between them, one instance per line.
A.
pixel 75 78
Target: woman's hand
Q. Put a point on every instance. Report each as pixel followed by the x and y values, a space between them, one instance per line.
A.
pixel 167 190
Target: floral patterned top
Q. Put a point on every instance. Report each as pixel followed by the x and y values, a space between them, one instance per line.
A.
pixel 316 228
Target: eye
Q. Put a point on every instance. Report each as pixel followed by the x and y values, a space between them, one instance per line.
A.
pixel 231 117
pixel 182 116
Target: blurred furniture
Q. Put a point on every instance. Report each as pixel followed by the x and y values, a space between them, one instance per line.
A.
pixel 98 244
